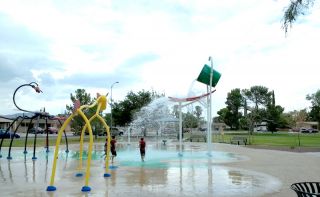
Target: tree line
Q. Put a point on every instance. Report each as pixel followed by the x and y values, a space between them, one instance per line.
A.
pixel 244 110
pixel 248 107
pixel 124 111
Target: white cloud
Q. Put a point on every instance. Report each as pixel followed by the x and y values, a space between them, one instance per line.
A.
pixel 161 45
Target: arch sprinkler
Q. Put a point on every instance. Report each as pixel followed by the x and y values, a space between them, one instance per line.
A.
pixel 101 104
pixel 31 115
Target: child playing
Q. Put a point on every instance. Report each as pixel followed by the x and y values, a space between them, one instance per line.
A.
pixel 142 146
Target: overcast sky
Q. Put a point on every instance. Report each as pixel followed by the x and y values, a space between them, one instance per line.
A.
pixel 159 45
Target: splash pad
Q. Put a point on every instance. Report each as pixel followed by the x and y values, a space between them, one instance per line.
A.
pixel 163 173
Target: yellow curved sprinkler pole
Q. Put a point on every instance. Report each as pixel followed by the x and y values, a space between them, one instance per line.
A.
pixel 108 137
pixel 82 137
pixel 82 134
pixel 57 148
pixel 81 147
pixel 108 147
pixel 102 103
pixel 90 147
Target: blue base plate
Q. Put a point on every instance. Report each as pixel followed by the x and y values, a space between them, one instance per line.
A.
pixel 80 174
pixel 106 175
pixel 51 188
pixel 86 189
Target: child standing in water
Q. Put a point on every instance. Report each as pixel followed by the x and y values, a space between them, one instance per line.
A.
pixel 142 146
pixel 113 148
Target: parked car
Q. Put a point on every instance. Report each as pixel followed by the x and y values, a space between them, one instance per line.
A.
pixel 9 134
pixel 37 130
pixel 308 130
pixel 312 130
pixel 53 130
pixel 304 130
pixel 294 129
pixel 203 129
pixel 114 132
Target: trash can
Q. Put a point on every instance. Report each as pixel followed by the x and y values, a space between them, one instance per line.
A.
pixel 204 76
pixel 307 189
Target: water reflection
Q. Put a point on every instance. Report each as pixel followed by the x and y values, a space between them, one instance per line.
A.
pixel 210 177
pixel 25 169
pixel 34 171
pixel 66 161
pixel 163 172
pixel 235 176
pixel 1 173
pixel 142 177
pixel 181 174
pixel 113 177
pixel 46 168
pixel 10 172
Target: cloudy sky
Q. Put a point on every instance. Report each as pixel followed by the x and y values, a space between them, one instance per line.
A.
pixel 159 45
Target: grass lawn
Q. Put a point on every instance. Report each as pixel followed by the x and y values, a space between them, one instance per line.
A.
pixel 41 142
pixel 276 139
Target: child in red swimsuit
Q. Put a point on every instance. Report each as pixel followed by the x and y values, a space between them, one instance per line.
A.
pixel 142 146
pixel 113 148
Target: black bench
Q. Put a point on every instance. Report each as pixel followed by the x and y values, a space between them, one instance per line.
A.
pixel 307 189
pixel 164 142
pixel 238 140
pixel 198 138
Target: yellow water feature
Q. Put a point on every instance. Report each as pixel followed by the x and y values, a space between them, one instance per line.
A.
pixel 101 104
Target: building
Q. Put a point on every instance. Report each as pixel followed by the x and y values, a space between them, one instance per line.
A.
pixel 5 123
pixel 261 126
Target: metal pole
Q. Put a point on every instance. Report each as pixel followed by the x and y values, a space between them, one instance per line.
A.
pixel 180 129
pixel 111 105
pixel 208 122
pixel 129 133
pixel 210 110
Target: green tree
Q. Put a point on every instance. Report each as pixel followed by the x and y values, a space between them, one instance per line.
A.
pixel 314 114
pixel 273 117
pixel 288 120
pixel 85 99
pixel 244 123
pixel 123 111
pixel 175 111
pixel 225 116
pixel 294 10
pixel 296 116
pixel 234 102
pixel 314 98
pixel 260 97
pixel 189 120
pixel 198 113
pixel 231 115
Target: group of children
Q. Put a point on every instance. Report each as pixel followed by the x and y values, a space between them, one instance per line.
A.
pixel 142 147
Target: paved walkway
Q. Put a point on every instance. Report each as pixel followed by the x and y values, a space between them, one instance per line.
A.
pixel 288 167
pixel 269 172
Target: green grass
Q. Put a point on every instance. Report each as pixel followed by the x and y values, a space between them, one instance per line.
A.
pixel 276 139
pixel 41 142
